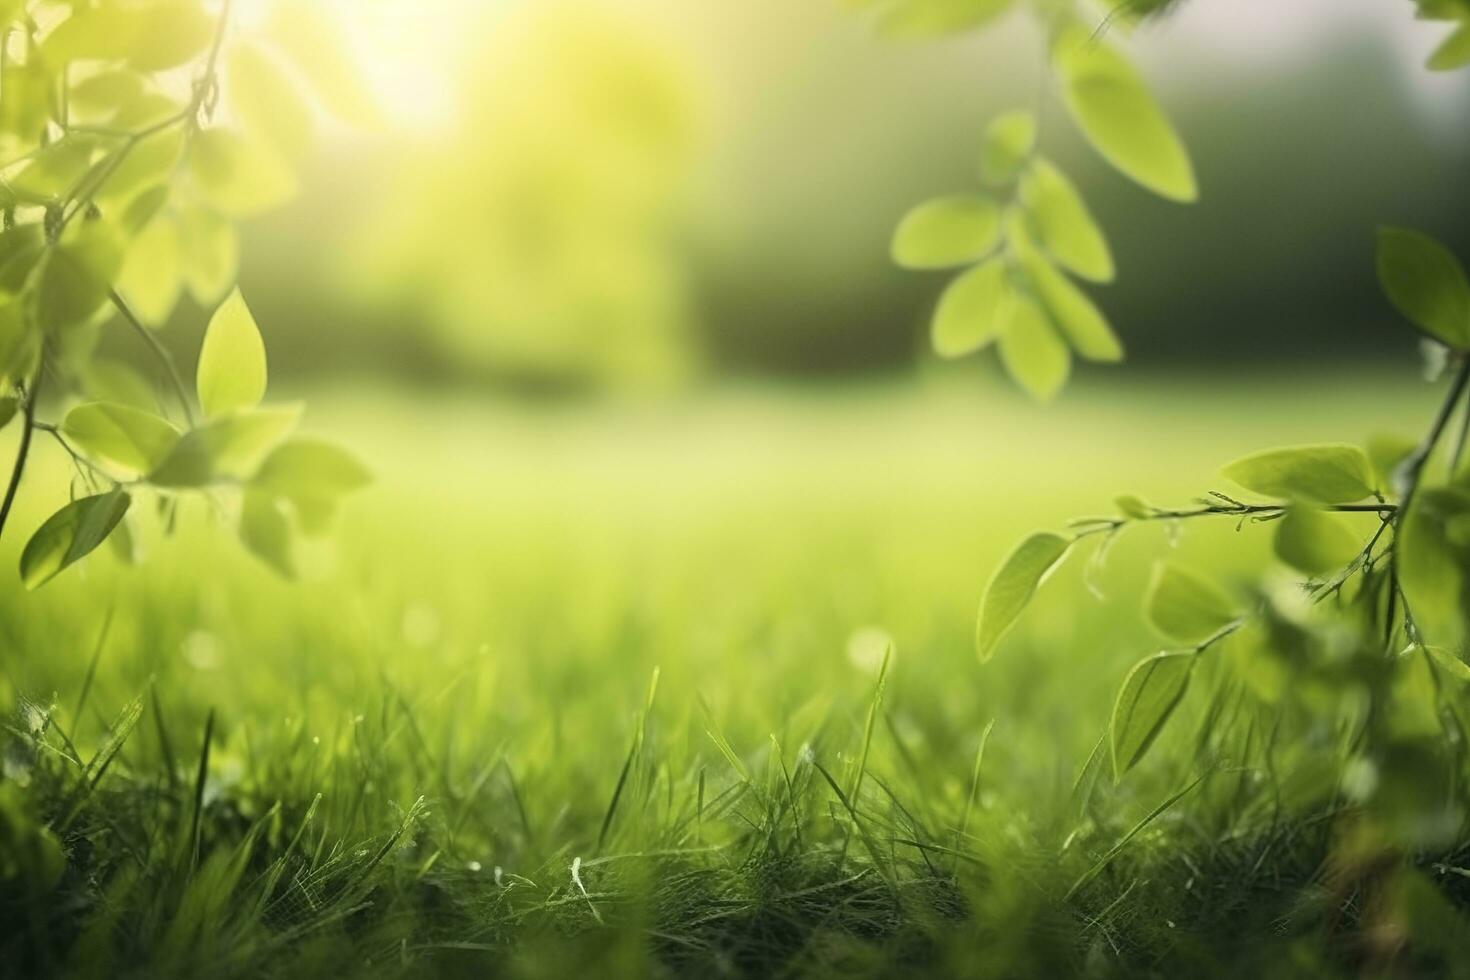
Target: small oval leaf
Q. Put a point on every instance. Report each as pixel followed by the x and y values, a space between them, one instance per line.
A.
pixel 1330 473
pixel 69 535
pixel 1010 139
pixel 1076 316
pixel 1119 117
pixel 1426 283
pixel 1032 352
pixel 1150 693
pixel 971 310
pixel 947 232
pixel 1314 542
pixel 1064 224
pixel 121 435
pixel 224 448
pixel 1014 583
pixel 1185 606
pixel 232 368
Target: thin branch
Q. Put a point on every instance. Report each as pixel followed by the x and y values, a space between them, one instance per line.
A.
pixel 1104 525
pixel 159 351
pixel 22 452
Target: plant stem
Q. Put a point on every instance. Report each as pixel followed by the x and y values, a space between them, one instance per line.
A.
pixel 23 451
pixel 1414 465
pixel 1102 525
pixel 159 351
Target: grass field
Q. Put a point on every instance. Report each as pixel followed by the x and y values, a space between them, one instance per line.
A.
pixel 445 753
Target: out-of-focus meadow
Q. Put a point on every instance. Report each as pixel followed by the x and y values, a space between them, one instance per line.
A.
pixel 603 299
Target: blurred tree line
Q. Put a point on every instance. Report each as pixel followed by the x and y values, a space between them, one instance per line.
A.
pixel 605 215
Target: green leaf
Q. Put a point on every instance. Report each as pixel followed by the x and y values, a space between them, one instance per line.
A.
pixel 70 534
pixel 1426 283
pixel 266 532
pixel 313 476
pixel 1032 352
pixel 972 309
pixel 120 435
pixel 210 254
pixel 149 164
pixel 1064 224
pixel 1076 316
pixel 1331 473
pixel 1387 452
pixel 1454 52
pixel 54 170
pixel 20 343
pixel 1009 142
pixel 154 36
pixel 1432 566
pixel 1150 693
pixel 71 282
pixel 1185 606
pixel 1451 664
pixel 21 250
pixel 268 103
pixel 232 371
pixel 1013 585
pixel 1119 117
pixel 151 279
pixel 947 232
pixel 170 33
pixel 229 447
pixel 9 405
pixel 236 176
pixel 1133 506
pixel 1314 542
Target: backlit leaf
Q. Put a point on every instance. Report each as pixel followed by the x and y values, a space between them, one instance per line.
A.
pixel 73 277
pixel 1150 693
pixel 120 435
pixel 1331 473
pixel 151 279
pixel 232 367
pixel 236 176
pixel 1314 542
pixel 312 475
pixel 1114 109
pixel 265 530
pixel 1014 584
pixel 1032 351
pixel 20 343
pixel 1064 225
pixel 1432 566
pixel 1185 606
pixel 210 254
pixel 1454 52
pixel 229 447
pixel 1426 283
pixel 1009 141
pixel 972 309
pixel 947 231
pixel 1076 316
pixel 70 534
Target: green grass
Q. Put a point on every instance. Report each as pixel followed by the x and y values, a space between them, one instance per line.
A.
pixel 446 753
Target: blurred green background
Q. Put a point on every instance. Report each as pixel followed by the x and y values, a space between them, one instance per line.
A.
pixel 645 195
